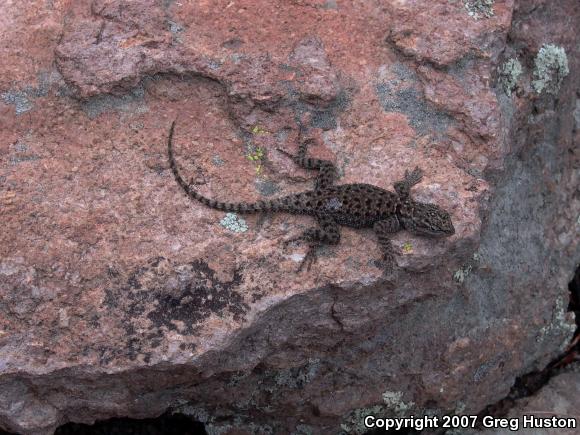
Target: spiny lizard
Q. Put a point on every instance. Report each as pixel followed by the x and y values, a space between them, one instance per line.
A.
pixel 355 205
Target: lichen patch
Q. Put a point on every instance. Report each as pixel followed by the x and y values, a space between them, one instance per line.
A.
pixel 550 68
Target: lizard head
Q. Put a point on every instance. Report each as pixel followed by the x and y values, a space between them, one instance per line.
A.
pixel 425 219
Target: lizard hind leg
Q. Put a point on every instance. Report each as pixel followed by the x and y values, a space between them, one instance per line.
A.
pixel 327 234
pixel 327 170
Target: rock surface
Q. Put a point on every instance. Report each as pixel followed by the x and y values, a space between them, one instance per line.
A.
pixel 120 297
pixel 560 398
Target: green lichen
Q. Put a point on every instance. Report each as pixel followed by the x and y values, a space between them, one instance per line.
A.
pixel 509 74
pixel 550 68
pixel 234 223
pixel 407 248
pixel 479 8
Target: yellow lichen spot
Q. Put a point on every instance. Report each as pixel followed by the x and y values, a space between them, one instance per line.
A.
pixel 257 156
pixel 257 129
pixel 407 248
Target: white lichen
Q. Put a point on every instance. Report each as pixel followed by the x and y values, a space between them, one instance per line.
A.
pixel 560 324
pixel 298 377
pixel 550 68
pixel 479 8
pixel 461 274
pixel 509 74
pixel 394 401
pixel 354 423
pixel 234 223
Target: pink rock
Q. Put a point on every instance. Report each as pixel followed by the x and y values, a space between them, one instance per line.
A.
pixel 120 297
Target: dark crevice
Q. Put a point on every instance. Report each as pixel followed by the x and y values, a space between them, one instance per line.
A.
pixel 166 424
pixel 530 383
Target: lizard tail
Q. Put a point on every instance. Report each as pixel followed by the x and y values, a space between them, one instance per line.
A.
pixel 238 207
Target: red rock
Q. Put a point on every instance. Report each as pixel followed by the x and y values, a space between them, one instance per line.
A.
pixel 120 297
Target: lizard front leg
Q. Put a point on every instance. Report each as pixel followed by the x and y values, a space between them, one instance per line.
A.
pixel 403 187
pixel 384 229
pixel 327 234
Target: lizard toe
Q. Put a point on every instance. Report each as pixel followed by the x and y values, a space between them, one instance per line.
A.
pixel 308 259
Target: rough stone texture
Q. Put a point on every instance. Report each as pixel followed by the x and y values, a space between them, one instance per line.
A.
pixel 119 297
pixel 559 398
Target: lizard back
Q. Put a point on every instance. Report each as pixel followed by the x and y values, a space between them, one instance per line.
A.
pixel 356 205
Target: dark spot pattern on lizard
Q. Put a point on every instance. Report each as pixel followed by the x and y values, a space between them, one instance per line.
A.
pixel 356 205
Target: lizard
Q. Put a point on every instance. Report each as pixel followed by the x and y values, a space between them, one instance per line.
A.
pixel 355 205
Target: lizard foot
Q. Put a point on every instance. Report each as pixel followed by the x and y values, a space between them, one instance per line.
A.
pixel 414 177
pixel 310 256
pixel 308 259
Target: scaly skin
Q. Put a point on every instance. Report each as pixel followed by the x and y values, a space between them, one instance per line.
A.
pixel 355 205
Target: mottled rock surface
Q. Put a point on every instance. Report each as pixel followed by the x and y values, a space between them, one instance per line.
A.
pixel 559 399
pixel 120 297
